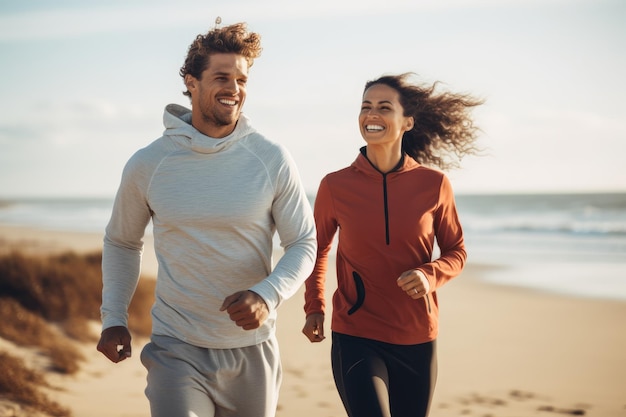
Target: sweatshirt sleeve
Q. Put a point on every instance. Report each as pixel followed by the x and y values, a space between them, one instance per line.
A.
pixel 449 234
pixel 293 217
pixel 123 246
pixel 326 225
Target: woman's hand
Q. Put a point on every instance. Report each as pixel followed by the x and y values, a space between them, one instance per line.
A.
pixel 414 283
pixel 314 328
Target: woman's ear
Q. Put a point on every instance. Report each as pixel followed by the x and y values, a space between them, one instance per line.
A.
pixel 409 123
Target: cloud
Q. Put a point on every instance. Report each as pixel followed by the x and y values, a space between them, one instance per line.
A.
pixel 82 121
pixel 11 133
pixel 585 121
pixel 75 147
pixel 94 18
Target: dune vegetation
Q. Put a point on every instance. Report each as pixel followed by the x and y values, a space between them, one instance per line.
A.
pixel 48 304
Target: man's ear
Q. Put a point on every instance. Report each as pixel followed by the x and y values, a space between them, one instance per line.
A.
pixel 190 82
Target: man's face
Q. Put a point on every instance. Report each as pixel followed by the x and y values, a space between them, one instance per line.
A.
pixel 218 97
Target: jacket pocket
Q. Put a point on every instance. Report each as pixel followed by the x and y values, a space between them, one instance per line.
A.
pixel 427 297
pixel 360 293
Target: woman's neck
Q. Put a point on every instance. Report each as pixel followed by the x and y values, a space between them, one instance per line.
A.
pixel 384 158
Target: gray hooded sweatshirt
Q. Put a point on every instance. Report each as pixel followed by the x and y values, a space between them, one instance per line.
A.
pixel 215 205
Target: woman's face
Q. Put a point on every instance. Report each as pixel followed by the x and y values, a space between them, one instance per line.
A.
pixel 382 117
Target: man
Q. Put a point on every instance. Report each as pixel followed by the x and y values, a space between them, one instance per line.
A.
pixel 216 191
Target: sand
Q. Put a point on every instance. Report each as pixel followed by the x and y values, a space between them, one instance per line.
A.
pixel 503 351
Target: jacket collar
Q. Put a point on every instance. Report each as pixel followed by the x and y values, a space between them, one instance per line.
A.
pixel 361 163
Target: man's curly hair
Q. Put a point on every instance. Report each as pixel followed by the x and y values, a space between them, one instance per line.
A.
pixel 228 39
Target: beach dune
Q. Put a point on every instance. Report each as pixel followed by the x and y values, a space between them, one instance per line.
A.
pixel 503 351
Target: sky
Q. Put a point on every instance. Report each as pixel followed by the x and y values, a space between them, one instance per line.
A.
pixel 83 84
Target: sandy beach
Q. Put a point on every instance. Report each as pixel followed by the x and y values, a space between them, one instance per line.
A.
pixel 503 351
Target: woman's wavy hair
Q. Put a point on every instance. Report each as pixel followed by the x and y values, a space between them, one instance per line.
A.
pixel 443 131
pixel 228 39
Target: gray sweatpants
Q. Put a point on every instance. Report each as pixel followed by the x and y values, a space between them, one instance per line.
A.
pixel 188 381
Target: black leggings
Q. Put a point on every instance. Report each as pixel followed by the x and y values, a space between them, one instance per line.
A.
pixel 377 379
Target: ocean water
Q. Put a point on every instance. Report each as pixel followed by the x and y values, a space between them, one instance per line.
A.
pixel 572 244
pixel 70 214
pixel 566 243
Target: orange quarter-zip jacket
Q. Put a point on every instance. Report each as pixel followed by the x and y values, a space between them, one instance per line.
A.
pixel 387 224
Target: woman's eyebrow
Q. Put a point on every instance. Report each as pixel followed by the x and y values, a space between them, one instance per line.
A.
pixel 380 102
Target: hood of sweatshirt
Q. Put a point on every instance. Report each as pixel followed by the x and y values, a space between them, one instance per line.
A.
pixel 177 122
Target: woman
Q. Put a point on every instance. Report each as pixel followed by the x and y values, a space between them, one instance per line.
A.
pixel 390 209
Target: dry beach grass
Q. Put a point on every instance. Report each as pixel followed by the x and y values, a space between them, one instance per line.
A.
pixel 47 303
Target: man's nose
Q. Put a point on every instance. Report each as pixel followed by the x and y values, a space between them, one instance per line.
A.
pixel 233 86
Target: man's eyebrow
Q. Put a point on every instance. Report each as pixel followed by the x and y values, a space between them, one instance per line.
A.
pixel 228 74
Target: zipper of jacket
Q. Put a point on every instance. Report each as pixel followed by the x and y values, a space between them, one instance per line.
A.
pixel 385 202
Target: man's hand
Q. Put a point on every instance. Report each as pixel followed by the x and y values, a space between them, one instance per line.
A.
pixel 246 308
pixel 314 328
pixel 115 343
